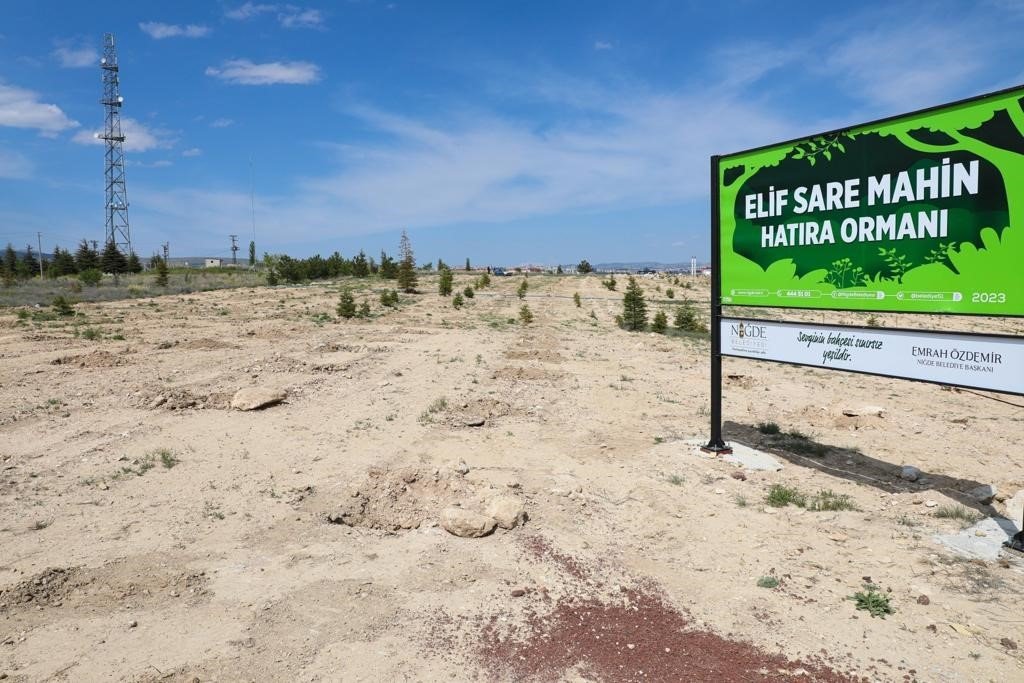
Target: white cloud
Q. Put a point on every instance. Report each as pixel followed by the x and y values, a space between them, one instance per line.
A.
pixel 159 163
pixel 222 123
pixel 21 108
pixel 245 72
pixel 289 16
pixel 248 11
pixel 192 152
pixel 301 18
pixel 160 30
pixel 15 166
pixel 76 58
pixel 138 137
pixel 602 45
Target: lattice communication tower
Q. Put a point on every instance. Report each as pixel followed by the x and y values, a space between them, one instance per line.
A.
pixel 117 230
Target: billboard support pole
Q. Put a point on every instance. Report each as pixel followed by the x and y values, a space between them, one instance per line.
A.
pixel 716 444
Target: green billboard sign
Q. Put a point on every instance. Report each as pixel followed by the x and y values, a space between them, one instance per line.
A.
pixel 919 213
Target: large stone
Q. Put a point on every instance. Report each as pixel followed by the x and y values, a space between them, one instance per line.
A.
pixel 983 494
pixel 910 473
pixel 255 398
pixel 507 511
pixel 466 523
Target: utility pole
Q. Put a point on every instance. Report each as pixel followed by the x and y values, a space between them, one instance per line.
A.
pixel 234 249
pixel 252 203
pixel 39 242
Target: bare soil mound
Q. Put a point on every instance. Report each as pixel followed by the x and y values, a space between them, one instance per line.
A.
pixel 403 498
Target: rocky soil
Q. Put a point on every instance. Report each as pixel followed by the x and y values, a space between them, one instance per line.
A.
pixel 232 486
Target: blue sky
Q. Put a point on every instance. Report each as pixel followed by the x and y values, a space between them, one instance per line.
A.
pixel 504 131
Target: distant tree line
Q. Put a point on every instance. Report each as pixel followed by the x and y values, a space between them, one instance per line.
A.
pixel 85 260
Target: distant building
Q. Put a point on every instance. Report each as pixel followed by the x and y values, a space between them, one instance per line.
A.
pixel 213 263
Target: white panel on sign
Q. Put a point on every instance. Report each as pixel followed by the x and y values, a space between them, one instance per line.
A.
pixel 995 363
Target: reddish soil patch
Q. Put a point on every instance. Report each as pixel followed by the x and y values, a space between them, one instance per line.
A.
pixel 641 638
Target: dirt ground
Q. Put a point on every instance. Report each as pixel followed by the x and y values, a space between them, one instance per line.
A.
pixel 150 532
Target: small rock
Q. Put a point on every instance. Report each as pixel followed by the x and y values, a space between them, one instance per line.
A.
pixel 507 511
pixel 738 474
pixel 476 422
pixel 158 401
pixel 103 486
pixel 930 503
pixel 719 492
pixel 923 600
pixel 1008 644
pixel 910 473
pixel 518 592
pixel 465 523
pixel 983 494
pixel 254 398
pixel 461 467
pixel 132 623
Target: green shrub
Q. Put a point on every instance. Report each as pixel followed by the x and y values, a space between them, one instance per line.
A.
pixel 90 277
pixel 63 307
pixel 576 300
pixel 780 496
pixel 874 603
pixel 525 315
pixel 468 292
pixel 670 293
pixel 457 301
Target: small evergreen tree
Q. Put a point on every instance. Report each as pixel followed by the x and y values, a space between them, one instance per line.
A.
pixel 252 253
pixel 686 319
pixel 63 263
pixel 389 298
pixel 670 293
pixel 467 265
pixel 457 301
pixel 444 282
pixel 610 283
pixel 388 267
pixel 63 307
pixel 10 261
pixel 30 261
pixel 576 299
pixel 584 267
pixel 558 270
pixel 133 264
pixel 659 323
pixel 441 265
pixel 364 309
pixel 112 260
pixel 161 271
pixel 86 257
pixel 360 266
pixel 346 305
pixel 523 286
pixel 525 315
pixel 634 309
pixel 407 278
pixel 468 291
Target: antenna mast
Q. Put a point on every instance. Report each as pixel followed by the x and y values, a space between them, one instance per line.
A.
pixel 117 230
